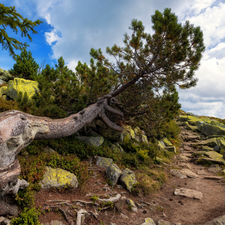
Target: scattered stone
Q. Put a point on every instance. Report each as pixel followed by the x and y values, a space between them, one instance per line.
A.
pixel 189 173
pixel 94 141
pixel 58 178
pixel 124 216
pixel 213 177
pixel 133 206
pixel 113 173
pixel 166 142
pixel 177 173
pixel 183 158
pixel 1 218
pixel 103 162
pixel 201 172
pixel 217 221
pixel 128 179
pixel 163 222
pixel 149 221
pixel 189 193
pixel 49 150
pixel 117 148
pixel 112 224
pixel 171 149
pixel 214 168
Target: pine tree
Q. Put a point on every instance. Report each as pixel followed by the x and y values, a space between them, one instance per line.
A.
pixel 10 18
pixel 25 67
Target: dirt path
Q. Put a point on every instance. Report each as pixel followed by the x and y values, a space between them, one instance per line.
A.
pixel 187 210
pixel 164 205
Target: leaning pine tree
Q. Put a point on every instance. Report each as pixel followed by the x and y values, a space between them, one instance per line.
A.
pixel 168 57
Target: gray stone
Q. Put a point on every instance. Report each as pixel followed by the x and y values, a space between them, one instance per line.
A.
pixel 132 204
pixel 177 173
pixel 189 173
pixel 128 179
pixel 103 162
pixel 171 149
pixel 163 222
pixel 217 221
pixel 117 148
pixel 113 173
pixel 58 178
pixel 2 82
pixel 49 150
pixel 94 141
pixel 149 221
pixel 189 193
pixel 214 168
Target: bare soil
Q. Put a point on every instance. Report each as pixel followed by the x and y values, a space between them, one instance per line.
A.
pixel 161 205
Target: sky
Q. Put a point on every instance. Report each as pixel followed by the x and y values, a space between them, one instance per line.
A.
pixel 71 28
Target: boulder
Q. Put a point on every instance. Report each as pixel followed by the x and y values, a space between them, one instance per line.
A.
pixel 189 173
pixel 128 179
pixel 161 144
pixel 140 135
pixel 5 75
pixel 2 82
pixel 214 168
pixel 94 141
pixel 177 173
pixel 21 85
pixel 113 173
pixel 103 162
pixel 211 128
pixel 58 178
pixel 149 221
pixel 49 150
pixel 190 127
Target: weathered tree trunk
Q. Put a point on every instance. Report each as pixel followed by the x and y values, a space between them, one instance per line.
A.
pixel 18 130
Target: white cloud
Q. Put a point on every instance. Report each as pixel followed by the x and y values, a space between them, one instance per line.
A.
pixel 52 37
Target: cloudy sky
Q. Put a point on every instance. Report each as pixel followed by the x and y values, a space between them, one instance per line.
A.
pixel 71 28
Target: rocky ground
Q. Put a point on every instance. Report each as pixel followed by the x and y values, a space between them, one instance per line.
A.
pixel 192 195
pixel 199 196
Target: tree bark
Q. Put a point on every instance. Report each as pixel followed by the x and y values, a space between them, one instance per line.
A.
pixel 18 129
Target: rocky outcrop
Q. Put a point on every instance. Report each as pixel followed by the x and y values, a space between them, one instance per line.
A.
pixel 19 85
pixel 58 178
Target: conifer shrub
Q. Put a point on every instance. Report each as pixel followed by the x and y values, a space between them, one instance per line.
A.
pixel 27 217
pixel 8 105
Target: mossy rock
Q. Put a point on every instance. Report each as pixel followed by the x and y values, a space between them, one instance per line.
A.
pixel 113 174
pixel 128 179
pixel 103 162
pixel 21 85
pixel 93 141
pixel 5 75
pixel 190 127
pixel 166 142
pixel 58 178
pixel 149 221
pixel 215 155
pixel 117 148
pixel 3 91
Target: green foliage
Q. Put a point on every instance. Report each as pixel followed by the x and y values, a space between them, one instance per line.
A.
pixel 95 79
pixel 10 18
pixel 7 105
pixel 27 217
pixel 25 67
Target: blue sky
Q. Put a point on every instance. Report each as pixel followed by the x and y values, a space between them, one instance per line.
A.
pixel 71 28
